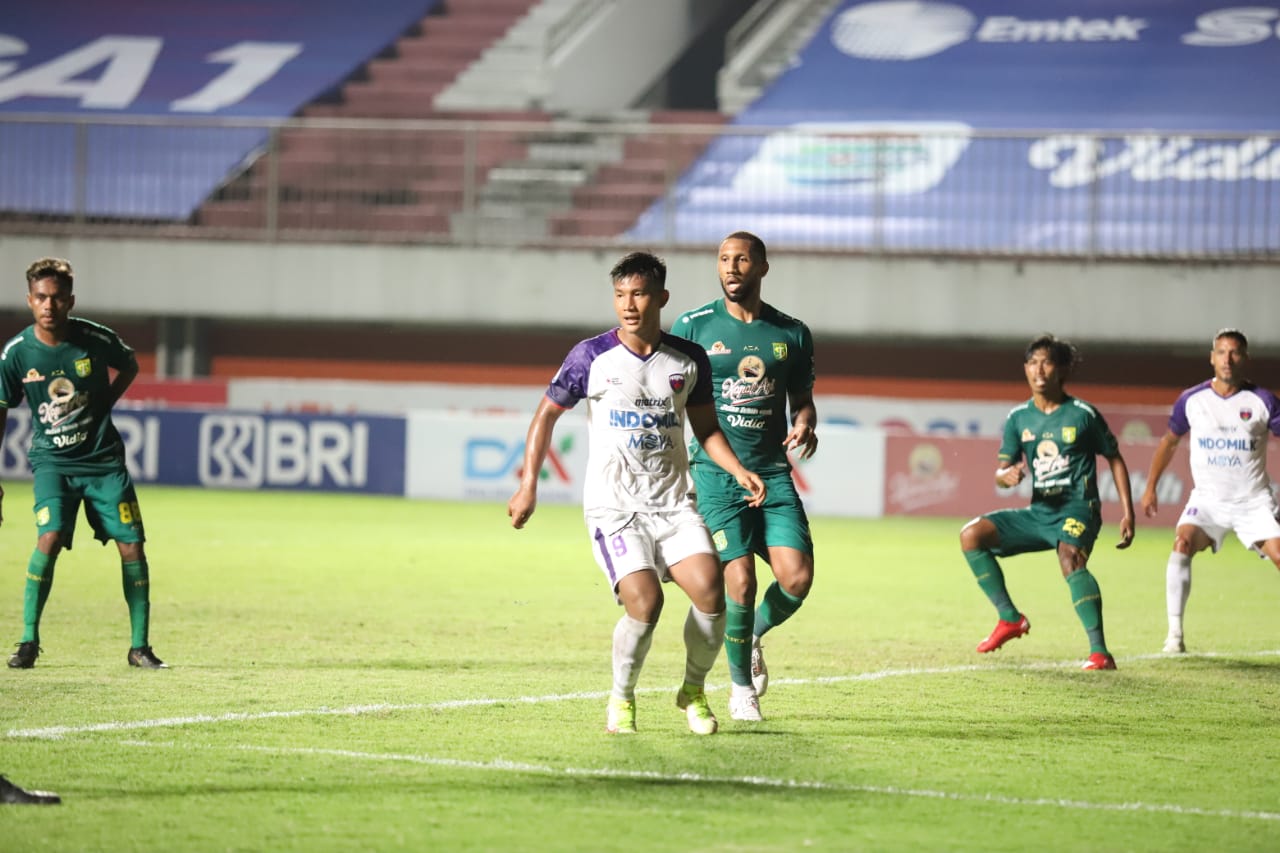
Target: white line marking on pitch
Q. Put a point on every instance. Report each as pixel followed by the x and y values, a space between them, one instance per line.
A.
pixel 502 765
pixel 56 732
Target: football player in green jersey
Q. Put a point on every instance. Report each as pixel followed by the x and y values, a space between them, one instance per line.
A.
pixel 762 366
pixel 1055 438
pixel 62 365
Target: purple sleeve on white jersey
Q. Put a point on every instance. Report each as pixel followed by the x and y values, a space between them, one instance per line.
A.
pixel 569 385
pixel 1273 409
pixel 1178 423
pixel 701 392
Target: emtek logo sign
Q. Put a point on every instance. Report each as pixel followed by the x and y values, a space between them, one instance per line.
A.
pixel 911 29
pixel 249 451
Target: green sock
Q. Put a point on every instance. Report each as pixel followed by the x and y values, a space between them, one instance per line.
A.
pixel 1086 598
pixel 737 640
pixel 39 582
pixel 137 594
pixel 991 581
pixel 776 608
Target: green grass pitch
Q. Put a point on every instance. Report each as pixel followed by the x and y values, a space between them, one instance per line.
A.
pixel 381 674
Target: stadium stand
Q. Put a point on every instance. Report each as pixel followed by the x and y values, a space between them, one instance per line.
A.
pixel 382 180
pixel 1076 130
pixel 647 164
pixel 1070 128
pixel 147 59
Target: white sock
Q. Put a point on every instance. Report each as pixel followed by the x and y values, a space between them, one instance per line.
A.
pixel 703 639
pixel 1177 587
pixel 738 691
pixel 631 641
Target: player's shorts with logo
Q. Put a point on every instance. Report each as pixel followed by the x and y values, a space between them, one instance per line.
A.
pixel 1041 526
pixel 624 543
pixel 738 529
pixel 110 505
pixel 1253 519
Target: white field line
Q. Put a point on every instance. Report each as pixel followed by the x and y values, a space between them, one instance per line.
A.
pixel 504 766
pixel 56 732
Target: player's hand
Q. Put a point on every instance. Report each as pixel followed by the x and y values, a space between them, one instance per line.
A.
pixel 1011 475
pixel 1150 504
pixel 802 439
pixel 1126 532
pixel 755 487
pixel 520 508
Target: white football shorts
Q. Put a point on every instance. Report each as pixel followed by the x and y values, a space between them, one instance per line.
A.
pixel 1253 519
pixel 646 541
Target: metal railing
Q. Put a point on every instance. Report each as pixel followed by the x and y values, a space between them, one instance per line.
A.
pixel 833 188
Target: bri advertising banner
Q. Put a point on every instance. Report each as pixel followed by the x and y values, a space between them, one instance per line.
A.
pixel 218 448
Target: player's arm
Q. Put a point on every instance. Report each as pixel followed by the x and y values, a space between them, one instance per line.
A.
pixel 4 423
pixel 803 436
pixel 536 444
pixel 1159 463
pixel 706 428
pixel 1010 469
pixel 1120 473
pixel 125 375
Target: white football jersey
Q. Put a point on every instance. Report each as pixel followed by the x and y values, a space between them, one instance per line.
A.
pixel 636 458
pixel 1228 438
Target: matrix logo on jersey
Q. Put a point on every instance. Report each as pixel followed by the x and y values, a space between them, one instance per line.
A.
pixel 249 451
pixel 904 30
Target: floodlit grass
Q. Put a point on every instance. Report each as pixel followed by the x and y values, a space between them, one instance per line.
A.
pixel 381 674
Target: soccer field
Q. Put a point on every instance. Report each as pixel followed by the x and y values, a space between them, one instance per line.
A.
pixel 355 673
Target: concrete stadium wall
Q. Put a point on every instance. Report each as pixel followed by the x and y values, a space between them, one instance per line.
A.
pixel 839 296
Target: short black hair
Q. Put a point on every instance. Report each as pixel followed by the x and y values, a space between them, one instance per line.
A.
pixel 54 268
pixel 1063 354
pixel 647 265
pixel 1235 334
pixel 758 250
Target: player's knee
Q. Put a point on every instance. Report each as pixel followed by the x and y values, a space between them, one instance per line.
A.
pixel 740 581
pixel 799 582
pixel 130 551
pixel 972 535
pixel 50 542
pixel 1182 545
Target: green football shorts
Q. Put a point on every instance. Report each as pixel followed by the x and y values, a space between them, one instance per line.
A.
pixel 110 505
pixel 738 529
pixel 1040 527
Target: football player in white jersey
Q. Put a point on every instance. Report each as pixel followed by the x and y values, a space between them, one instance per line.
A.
pixel 1229 419
pixel 640 384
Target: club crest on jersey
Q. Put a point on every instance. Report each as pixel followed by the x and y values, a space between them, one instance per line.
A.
pixel 1068 434
pixel 677 381
pixel 1246 414
pixel 83 367
pixel 780 350
pixel 33 375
